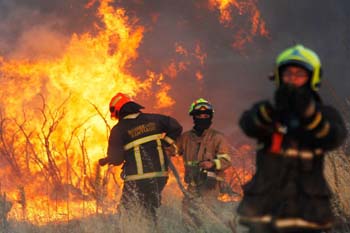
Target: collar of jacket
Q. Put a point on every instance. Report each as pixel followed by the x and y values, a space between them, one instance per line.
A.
pixel 132 116
pixel 193 131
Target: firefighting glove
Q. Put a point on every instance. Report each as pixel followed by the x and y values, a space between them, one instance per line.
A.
pixel 207 165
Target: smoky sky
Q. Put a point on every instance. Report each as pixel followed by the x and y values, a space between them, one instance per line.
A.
pixel 232 79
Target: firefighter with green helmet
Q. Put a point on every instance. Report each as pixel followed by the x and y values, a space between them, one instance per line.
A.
pixel 206 154
pixel 289 192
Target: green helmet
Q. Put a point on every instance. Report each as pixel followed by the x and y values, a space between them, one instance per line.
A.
pixel 303 57
pixel 200 104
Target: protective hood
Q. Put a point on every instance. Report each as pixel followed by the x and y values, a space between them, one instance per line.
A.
pixel 129 108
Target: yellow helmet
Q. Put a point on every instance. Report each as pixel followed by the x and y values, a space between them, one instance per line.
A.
pixel 303 57
pixel 200 104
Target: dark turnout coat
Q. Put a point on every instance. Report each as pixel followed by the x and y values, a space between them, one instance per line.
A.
pixel 289 189
pixel 138 142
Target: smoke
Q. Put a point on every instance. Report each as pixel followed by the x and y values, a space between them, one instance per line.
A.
pixel 226 71
pixel 40 29
pixel 232 78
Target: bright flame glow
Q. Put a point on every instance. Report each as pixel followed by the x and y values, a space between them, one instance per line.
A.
pixel 256 25
pixel 60 106
pixel 54 114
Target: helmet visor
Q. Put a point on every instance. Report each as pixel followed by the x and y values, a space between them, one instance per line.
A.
pixel 202 107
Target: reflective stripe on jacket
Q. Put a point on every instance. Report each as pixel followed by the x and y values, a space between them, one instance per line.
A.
pixel 139 142
pixel 211 145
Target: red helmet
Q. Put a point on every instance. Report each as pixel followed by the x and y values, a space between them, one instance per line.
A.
pixel 117 102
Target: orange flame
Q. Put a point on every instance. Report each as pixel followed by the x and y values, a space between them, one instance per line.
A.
pixel 247 7
pixel 61 126
pixel 199 75
pixel 54 117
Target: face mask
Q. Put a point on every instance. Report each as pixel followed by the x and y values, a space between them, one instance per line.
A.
pixel 289 95
pixel 201 124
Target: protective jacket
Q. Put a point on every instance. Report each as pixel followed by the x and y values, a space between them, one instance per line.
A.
pixel 211 145
pixel 289 189
pixel 138 141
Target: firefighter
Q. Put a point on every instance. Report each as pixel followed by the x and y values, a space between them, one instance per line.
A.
pixel 288 191
pixel 206 154
pixel 138 143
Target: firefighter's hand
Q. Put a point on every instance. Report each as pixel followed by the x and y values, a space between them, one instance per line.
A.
pixel 207 165
pixel 171 151
pixel 103 161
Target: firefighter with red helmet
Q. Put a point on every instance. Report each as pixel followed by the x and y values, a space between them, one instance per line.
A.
pixel 289 192
pixel 206 154
pixel 138 143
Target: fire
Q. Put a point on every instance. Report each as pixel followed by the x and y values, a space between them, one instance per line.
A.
pixel 199 55
pixel 256 24
pixel 224 6
pixel 199 75
pixel 54 118
pixel 181 50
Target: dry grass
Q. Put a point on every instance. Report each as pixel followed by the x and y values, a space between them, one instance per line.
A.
pixel 337 172
pixel 171 218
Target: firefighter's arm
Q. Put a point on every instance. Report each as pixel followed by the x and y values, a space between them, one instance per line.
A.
pixel 325 127
pixel 176 147
pixel 115 150
pixel 258 121
pixel 222 158
pixel 221 162
pixel 172 130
